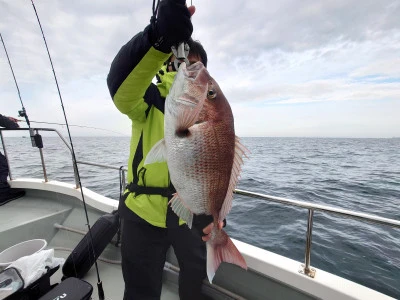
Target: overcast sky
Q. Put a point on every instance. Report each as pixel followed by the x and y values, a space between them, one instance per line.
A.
pixel 288 68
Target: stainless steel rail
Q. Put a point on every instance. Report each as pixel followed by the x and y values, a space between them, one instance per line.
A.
pixel 324 208
pixel 311 207
pixel 36 130
pixel 306 269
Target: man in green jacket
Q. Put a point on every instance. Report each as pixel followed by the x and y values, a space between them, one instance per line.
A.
pixel 150 227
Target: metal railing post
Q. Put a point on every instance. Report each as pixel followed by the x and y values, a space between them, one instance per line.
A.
pixel 75 174
pixel 123 180
pixel 42 159
pixel 43 165
pixel 37 141
pixel 307 259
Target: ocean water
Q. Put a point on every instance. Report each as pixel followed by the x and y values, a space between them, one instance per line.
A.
pixel 356 174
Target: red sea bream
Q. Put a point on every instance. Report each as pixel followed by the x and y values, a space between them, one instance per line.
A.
pixel 204 156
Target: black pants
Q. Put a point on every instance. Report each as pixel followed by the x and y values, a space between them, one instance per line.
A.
pixel 3 168
pixel 144 249
pixel 6 192
pixel 4 186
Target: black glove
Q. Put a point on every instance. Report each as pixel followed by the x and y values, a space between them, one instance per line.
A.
pixel 6 122
pixel 172 26
pixel 202 221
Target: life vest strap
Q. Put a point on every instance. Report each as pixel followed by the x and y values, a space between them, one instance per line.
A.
pixel 139 190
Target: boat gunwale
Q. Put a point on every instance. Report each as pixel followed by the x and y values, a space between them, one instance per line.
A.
pixel 276 267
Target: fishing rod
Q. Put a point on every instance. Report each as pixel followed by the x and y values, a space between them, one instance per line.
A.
pixel 22 113
pixel 36 139
pixel 99 283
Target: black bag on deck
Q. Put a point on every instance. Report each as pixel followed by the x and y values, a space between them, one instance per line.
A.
pixel 70 289
pixel 81 258
pixel 36 289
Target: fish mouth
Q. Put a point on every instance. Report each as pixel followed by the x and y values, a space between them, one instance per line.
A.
pixel 197 66
pixel 192 71
pixel 191 84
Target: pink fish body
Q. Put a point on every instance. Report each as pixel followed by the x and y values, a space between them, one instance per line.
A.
pixel 204 156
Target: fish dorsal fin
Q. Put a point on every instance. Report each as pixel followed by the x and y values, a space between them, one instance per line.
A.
pixel 240 151
pixel 157 154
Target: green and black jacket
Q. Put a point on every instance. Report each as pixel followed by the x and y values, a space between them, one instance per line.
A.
pixel 134 94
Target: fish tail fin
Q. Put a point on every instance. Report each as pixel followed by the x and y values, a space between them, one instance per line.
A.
pixel 219 249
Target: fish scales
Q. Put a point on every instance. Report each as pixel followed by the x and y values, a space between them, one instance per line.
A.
pixel 204 173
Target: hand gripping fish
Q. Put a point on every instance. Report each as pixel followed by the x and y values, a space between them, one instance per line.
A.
pixel 204 157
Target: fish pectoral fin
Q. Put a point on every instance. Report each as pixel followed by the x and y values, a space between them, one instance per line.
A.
pixel 187 118
pixel 157 154
pixel 181 210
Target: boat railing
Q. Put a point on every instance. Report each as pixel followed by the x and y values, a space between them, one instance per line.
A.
pixel 36 142
pixel 311 207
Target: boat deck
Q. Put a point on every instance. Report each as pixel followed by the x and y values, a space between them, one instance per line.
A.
pixel 34 217
pixel 38 215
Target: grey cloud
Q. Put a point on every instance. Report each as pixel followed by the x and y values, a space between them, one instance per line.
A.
pixel 260 52
pixel 296 25
pixel 315 91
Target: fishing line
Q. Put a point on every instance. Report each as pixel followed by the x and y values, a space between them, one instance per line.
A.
pixel 99 283
pixel 81 126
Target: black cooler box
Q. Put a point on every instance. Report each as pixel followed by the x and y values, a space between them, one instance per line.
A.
pixel 70 289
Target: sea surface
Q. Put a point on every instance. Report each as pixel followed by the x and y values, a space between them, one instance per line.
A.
pixel 362 175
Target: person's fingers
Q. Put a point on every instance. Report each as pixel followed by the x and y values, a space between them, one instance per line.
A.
pixel 220 224
pixel 208 228
pixel 192 9
pixel 207 231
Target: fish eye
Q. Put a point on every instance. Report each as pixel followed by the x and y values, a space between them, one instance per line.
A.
pixel 211 94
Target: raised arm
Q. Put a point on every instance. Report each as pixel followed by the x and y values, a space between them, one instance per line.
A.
pixel 139 60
